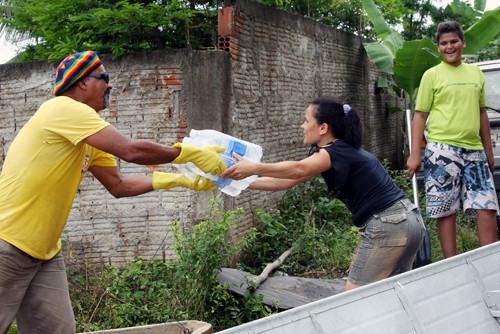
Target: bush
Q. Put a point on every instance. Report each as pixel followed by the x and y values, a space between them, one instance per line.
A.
pixel 317 226
pixel 150 292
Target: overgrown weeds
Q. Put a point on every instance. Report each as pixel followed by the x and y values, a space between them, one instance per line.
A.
pixel 151 292
pixel 317 226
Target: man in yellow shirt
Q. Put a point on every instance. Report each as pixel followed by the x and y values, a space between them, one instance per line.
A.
pixel 44 166
pixel 458 160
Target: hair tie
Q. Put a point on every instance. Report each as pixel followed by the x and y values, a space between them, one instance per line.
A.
pixel 347 108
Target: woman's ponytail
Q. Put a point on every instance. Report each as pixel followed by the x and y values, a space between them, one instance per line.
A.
pixel 342 119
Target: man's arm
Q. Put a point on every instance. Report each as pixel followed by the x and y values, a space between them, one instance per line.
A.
pixel 484 132
pixel 145 152
pixel 141 152
pixel 417 136
pixel 120 185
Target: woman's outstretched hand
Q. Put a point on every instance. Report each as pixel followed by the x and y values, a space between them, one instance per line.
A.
pixel 244 168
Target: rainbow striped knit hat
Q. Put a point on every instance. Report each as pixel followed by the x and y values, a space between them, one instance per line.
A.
pixel 73 68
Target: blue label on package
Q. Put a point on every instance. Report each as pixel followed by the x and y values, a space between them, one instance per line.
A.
pixel 234 146
pixel 220 183
pixel 237 147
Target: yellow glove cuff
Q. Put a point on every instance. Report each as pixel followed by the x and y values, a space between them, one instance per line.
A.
pixel 168 180
pixel 186 150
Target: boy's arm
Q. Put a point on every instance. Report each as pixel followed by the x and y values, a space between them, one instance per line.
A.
pixel 417 136
pixel 484 132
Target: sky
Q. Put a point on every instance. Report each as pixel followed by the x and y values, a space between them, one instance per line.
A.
pixel 8 50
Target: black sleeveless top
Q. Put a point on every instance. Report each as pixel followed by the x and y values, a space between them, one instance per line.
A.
pixel 359 180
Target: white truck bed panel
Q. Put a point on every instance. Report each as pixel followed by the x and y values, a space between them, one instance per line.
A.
pixel 455 295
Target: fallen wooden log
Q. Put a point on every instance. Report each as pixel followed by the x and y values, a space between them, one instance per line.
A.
pixel 283 292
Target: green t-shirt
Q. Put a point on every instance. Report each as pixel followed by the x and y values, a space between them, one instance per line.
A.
pixel 453 96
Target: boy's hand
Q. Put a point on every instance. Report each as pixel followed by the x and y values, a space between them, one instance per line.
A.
pixel 413 164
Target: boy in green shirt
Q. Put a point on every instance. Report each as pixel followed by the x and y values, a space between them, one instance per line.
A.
pixel 458 160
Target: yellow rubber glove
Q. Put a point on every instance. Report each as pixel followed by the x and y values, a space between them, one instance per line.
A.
pixel 170 180
pixel 205 158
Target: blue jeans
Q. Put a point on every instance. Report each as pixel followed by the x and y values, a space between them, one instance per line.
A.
pixel 391 239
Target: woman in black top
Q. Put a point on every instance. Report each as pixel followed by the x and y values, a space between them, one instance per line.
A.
pixel 391 226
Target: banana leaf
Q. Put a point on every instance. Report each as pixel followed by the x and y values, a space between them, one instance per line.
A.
pixel 381 55
pixel 412 60
pixel 482 32
pixel 387 34
pixel 376 17
pixel 480 5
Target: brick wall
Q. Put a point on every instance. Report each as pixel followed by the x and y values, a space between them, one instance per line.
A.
pixel 280 63
pixel 270 66
pixel 156 96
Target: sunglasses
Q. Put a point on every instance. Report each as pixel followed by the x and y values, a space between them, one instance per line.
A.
pixel 100 76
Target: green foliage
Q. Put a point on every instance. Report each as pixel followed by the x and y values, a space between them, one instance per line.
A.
pixel 13 329
pixel 317 226
pixel 467 237
pixel 482 31
pixel 109 297
pixel 56 28
pixel 492 51
pixel 150 292
pixel 420 18
pixel 202 252
pixel 410 64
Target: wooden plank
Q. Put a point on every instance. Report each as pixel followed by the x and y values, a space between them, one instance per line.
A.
pixel 178 327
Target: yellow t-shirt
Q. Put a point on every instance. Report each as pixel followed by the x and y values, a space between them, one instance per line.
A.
pixel 453 96
pixel 42 171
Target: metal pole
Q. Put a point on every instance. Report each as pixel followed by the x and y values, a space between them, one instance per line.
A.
pixel 414 178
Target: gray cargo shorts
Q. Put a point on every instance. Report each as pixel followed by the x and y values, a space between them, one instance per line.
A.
pixel 34 292
pixel 391 239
